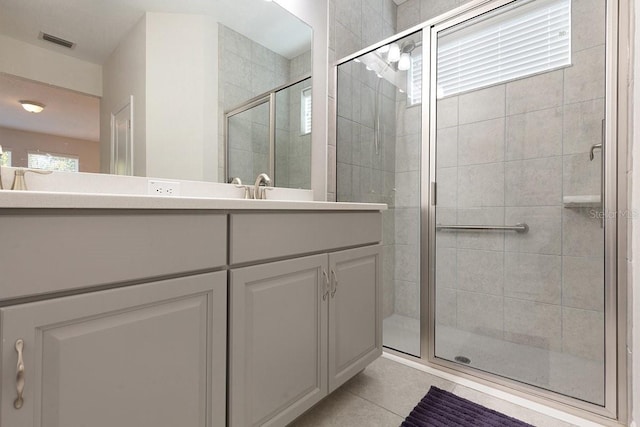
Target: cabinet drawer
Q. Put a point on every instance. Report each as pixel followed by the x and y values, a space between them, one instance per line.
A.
pixel 55 250
pixel 266 235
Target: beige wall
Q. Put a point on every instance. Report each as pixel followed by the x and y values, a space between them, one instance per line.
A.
pixel 21 142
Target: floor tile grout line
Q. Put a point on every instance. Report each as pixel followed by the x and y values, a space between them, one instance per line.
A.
pixel 376 404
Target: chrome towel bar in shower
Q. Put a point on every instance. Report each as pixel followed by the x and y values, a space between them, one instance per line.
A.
pixel 519 228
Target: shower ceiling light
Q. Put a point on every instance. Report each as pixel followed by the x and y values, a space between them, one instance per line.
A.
pixel 383 49
pixel 405 62
pixel 32 106
pixel 394 53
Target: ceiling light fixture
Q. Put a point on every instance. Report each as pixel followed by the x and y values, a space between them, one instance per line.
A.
pixel 32 106
pixel 394 53
pixel 405 62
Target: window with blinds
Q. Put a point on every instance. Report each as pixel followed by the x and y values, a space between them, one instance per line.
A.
pixel 305 111
pixel 414 76
pixel 5 158
pixel 54 162
pixel 525 40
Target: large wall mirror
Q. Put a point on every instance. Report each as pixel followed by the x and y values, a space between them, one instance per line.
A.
pixel 142 87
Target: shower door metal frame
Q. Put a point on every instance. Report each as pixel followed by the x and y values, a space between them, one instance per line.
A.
pixel 615 153
pixel 267 97
pixel 617 200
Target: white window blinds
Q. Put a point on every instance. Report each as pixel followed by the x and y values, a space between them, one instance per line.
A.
pixel 529 39
pixel 414 76
pixel 305 116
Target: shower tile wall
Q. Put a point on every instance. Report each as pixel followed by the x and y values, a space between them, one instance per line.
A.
pixel 413 12
pixel 249 69
pixel 297 154
pixel 366 162
pixel 353 25
pixel 293 149
pixel 508 154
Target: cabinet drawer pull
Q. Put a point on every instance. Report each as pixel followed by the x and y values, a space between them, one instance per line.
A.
pixel 325 294
pixel 20 375
pixel 334 283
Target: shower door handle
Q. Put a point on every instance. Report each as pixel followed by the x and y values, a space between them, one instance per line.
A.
pixel 518 228
pixel 602 167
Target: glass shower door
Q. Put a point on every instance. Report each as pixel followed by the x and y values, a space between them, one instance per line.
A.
pixel 519 281
pixel 379 130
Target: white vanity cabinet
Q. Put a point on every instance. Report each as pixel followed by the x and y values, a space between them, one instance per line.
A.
pixel 150 355
pixel 355 312
pixel 301 327
pixel 184 317
pixel 122 315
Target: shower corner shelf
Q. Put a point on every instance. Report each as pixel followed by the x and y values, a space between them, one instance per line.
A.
pixel 588 201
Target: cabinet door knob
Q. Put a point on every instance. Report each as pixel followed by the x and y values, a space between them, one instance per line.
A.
pixel 334 283
pixel 325 294
pixel 20 375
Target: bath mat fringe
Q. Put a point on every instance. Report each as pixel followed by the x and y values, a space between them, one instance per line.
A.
pixel 440 408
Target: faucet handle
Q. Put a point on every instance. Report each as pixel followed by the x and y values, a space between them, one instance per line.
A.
pixel 19 182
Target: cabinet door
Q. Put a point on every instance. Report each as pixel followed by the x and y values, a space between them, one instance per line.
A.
pixel 355 312
pixel 150 355
pixel 278 341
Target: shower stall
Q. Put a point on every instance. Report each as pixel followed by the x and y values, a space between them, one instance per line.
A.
pixel 490 132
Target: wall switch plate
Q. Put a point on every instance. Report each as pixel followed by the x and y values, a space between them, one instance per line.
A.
pixel 163 188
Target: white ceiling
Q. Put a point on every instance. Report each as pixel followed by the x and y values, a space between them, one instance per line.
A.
pixel 97 26
pixel 67 113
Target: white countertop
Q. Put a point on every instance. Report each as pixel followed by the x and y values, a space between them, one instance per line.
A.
pixel 61 200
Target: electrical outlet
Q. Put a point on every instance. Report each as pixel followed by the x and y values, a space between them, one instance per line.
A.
pixel 163 188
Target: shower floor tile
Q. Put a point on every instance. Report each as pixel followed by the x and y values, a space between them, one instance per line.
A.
pixel 401 333
pixel 551 370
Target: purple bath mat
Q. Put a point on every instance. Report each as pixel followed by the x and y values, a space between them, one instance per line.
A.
pixel 440 408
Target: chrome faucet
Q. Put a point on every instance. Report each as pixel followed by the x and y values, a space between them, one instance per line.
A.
pixel 262 181
pixel 238 183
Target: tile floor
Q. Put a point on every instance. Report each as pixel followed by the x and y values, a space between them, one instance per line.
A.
pixel 386 391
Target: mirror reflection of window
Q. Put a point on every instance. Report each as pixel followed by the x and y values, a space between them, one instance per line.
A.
pixel 414 79
pixel 5 158
pixel 53 162
pixel 305 110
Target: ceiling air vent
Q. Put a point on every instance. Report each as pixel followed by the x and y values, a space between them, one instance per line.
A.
pixel 57 40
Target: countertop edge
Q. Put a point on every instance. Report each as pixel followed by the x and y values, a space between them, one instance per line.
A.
pixel 54 200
